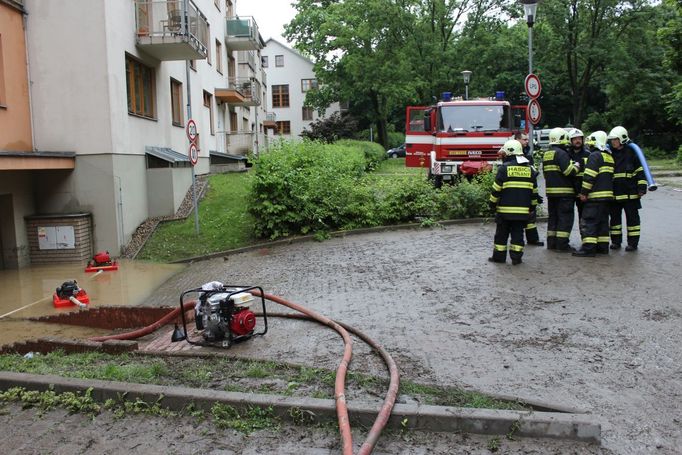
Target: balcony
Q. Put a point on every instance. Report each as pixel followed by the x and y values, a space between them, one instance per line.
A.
pixel 240 92
pixel 241 34
pixel 270 121
pixel 171 30
pixel 247 58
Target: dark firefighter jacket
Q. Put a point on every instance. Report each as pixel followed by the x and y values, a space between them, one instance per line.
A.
pixel 628 174
pixel 559 173
pixel 581 157
pixel 515 190
pixel 598 177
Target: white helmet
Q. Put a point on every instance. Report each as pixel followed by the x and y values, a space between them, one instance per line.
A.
pixel 512 147
pixel 619 133
pixel 597 139
pixel 558 136
pixel 575 132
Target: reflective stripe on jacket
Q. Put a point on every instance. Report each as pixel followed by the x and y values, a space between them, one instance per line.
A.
pixel 598 177
pixel 559 173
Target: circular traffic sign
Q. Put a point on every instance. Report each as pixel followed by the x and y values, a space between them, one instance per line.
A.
pixel 534 112
pixel 191 130
pixel 533 86
pixel 193 154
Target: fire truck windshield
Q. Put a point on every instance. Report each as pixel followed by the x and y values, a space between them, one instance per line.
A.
pixel 466 118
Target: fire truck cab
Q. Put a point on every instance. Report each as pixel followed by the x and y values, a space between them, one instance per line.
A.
pixel 459 137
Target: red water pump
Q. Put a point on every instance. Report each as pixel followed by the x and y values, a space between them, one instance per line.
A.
pixel 101 261
pixel 222 315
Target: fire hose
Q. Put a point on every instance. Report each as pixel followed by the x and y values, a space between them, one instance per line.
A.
pixel 339 385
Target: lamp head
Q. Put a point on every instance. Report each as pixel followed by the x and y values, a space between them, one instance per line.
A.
pixel 530 8
pixel 466 74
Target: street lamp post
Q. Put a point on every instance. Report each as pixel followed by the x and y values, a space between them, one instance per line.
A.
pixel 530 8
pixel 466 74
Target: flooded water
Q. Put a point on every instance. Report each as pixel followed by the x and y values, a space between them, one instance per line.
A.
pixel 28 293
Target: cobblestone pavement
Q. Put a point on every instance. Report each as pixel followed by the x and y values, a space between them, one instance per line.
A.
pixel 601 334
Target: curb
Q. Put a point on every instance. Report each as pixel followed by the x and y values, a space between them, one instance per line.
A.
pixel 532 424
pixel 335 234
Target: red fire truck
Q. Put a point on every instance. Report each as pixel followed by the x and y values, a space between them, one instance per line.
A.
pixel 457 137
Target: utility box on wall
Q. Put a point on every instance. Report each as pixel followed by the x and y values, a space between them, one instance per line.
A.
pixel 59 238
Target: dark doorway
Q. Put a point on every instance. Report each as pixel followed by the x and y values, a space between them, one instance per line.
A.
pixel 7 238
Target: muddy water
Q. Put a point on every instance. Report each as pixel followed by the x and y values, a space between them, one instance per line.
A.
pixel 28 293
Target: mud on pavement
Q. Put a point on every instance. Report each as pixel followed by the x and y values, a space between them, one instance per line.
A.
pixel 598 334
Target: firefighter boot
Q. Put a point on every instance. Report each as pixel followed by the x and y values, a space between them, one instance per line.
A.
pixel 583 253
pixel 630 248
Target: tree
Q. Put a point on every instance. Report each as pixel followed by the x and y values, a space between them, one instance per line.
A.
pixel 336 126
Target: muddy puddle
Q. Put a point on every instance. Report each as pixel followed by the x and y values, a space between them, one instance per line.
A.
pixel 27 293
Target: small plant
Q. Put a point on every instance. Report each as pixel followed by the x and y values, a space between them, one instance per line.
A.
pixel 254 418
pixel 494 444
pixel 513 429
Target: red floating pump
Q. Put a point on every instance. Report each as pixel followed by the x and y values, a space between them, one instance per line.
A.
pixel 69 294
pixel 101 261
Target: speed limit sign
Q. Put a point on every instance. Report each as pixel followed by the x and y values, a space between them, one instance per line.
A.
pixel 193 154
pixel 534 112
pixel 191 130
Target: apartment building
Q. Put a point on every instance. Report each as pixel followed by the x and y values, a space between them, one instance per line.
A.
pixel 102 103
pixel 291 76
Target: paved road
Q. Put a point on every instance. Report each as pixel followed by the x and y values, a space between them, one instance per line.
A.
pixel 601 334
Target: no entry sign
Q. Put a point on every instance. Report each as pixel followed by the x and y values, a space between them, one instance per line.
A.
pixel 533 86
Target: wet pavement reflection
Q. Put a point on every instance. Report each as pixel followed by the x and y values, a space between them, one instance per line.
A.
pixel 28 293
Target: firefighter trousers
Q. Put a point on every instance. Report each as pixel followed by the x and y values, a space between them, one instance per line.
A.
pixel 560 222
pixel 631 208
pixel 505 229
pixel 594 226
pixel 532 235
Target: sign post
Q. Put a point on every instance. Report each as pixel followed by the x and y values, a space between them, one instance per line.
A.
pixel 193 153
pixel 533 90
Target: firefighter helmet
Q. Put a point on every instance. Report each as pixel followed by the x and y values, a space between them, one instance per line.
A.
pixel 512 147
pixel 619 133
pixel 558 136
pixel 597 140
pixel 575 132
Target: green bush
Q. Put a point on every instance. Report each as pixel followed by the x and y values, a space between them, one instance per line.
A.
pixel 470 199
pixel 372 151
pixel 311 187
pixel 395 138
pixel 304 187
pixel 655 153
pixel 679 155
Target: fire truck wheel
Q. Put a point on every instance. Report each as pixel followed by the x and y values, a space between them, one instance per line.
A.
pixel 437 181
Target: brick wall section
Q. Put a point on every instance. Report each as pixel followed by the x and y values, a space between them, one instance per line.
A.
pixel 109 318
pixel 82 227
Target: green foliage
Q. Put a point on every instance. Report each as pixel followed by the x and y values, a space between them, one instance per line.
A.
pixel 254 418
pixel 373 152
pixel 469 199
pixel 330 129
pixel 224 223
pixel 679 155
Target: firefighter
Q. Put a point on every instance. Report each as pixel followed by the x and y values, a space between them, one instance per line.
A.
pixel 629 186
pixel 579 153
pixel 513 196
pixel 531 230
pixel 559 172
pixel 596 193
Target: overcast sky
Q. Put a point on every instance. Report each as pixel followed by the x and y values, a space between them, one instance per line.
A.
pixel 270 15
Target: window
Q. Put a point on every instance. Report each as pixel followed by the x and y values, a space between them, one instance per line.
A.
pixel 208 102
pixel 176 102
pixel 264 61
pixel 219 56
pixel 229 9
pixel 280 96
pixel 141 88
pixel 193 64
pixel 308 84
pixel 3 101
pixel 279 60
pixel 284 127
pixel 307 113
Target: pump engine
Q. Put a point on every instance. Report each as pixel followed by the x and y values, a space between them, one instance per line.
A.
pixel 222 315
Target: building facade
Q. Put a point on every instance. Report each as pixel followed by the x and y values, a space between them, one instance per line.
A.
pixel 291 76
pixel 113 84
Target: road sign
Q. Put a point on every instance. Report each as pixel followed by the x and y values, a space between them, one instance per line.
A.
pixel 191 130
pixel 193 154
pixel 533 86
pixel 534 112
